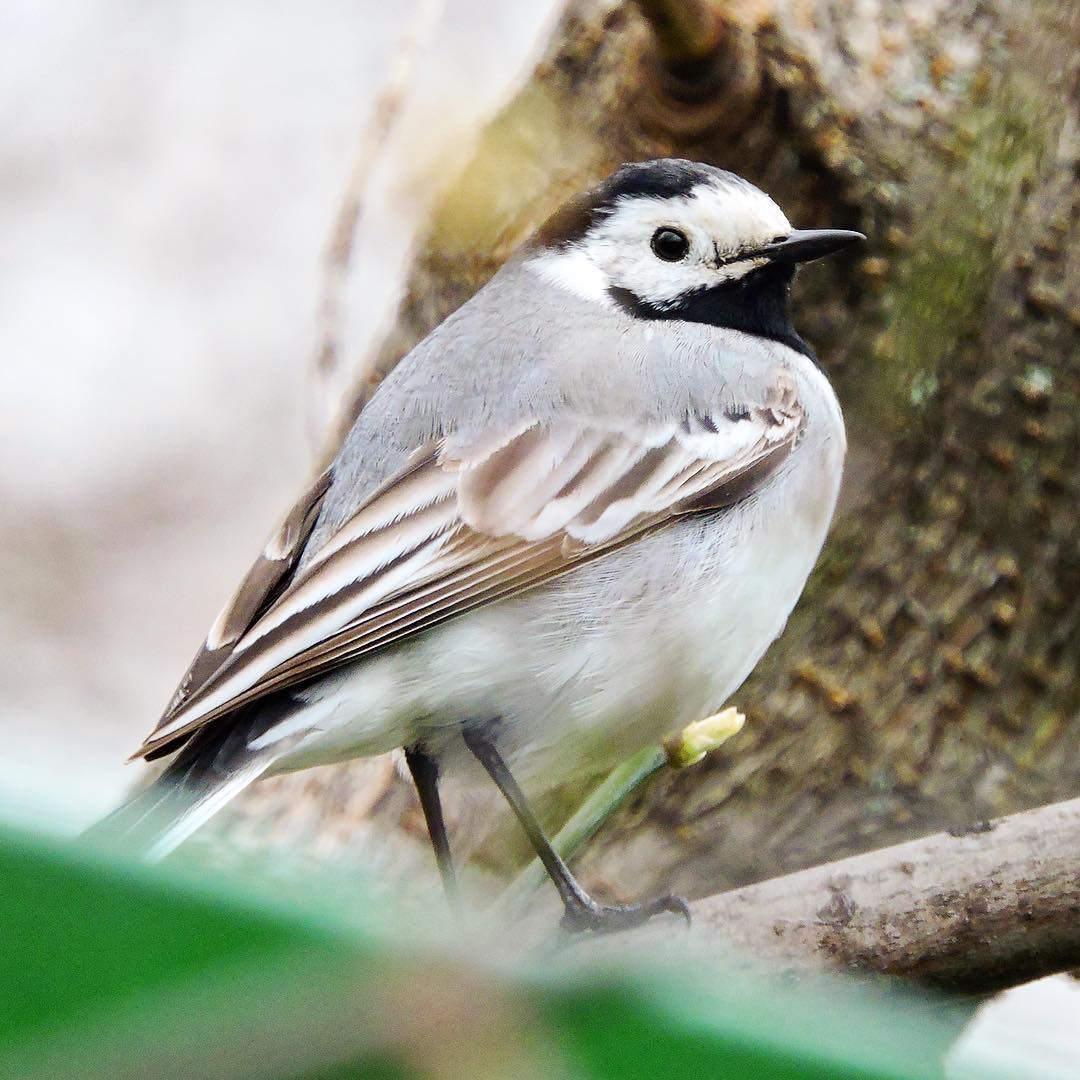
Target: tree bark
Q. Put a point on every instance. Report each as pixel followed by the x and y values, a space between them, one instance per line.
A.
pixel 975 911
pixel 928 677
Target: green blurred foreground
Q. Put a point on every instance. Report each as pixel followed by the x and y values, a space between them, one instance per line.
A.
pixel 114 969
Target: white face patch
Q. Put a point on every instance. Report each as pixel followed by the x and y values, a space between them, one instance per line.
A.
pixel 719 220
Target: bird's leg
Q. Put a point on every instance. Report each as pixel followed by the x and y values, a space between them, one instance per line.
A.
pixel 425 774
pixel 581 911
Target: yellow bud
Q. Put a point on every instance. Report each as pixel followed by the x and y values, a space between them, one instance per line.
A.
pixel 697 739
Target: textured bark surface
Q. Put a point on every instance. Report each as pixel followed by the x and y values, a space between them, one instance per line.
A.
pixel 928 677
pixel 975 911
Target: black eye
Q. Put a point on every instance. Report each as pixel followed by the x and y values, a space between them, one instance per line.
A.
pixel 670 245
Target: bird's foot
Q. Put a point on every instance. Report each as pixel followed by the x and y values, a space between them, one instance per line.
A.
pixel 587 914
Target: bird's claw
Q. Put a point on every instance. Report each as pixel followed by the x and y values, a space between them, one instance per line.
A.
pixel 608 918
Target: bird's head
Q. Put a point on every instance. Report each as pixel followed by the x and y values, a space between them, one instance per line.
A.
pixel 674 239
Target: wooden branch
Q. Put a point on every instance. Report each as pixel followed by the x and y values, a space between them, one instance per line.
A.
pixel 991 908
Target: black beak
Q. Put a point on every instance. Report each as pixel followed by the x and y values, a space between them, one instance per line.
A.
pixel 804 245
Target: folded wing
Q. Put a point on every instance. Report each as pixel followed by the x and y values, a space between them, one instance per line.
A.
pixel 466 523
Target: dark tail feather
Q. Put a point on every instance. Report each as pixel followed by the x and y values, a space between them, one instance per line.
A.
pixel 212 769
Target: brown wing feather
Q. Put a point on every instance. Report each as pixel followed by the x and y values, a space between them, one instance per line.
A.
pixel 466 525
pixel 262 584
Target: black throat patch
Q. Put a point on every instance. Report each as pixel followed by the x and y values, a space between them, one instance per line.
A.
pixel 756 304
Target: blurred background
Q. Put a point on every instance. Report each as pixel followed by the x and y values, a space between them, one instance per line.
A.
pixel 169 178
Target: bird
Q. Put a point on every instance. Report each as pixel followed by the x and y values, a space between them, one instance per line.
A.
pixel 569 522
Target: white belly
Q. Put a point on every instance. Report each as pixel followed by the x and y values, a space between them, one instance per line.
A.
pixel 608 659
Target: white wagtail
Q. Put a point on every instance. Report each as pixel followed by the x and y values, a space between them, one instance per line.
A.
pixel 569 522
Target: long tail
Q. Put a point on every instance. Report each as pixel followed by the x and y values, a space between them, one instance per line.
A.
pixel 211 770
